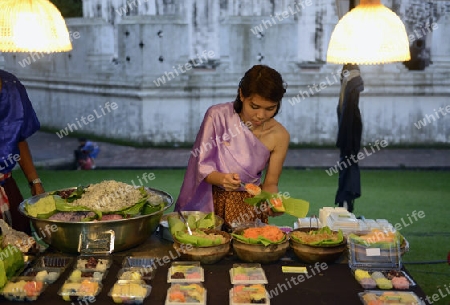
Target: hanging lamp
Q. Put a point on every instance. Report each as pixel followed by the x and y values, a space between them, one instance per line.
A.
pixel 32 26
pixel 367 35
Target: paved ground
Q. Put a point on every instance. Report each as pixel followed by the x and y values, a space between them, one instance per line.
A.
pixel 49 151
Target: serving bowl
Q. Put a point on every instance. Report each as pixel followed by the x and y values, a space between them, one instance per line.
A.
pixel 65 236
pixel 313 253
pixel 164 222
pixel 259 253
pixel 205 255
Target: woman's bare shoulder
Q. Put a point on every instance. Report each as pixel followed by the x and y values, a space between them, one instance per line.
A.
pixel 280 131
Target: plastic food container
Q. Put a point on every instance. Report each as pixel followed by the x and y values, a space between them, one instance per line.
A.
pixel 23 288
pixel 185 272
pixel 378 268
pixel 249 294
pixel 78 275
pixel 129 292
pixel 61 262
pixel 136 274
pixel 186 293
pixel 93 263
pixel 77 290
pixel 138 261
pixel 247 274
pixel 47 275
pixel 389 297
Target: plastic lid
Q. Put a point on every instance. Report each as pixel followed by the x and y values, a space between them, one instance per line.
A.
pixel 96 243
pixel 247 274
pixel 374 257
pixel 186 293
pixel 185 272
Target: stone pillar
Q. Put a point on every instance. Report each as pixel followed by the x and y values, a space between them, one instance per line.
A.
pixel 440 50
pixel 306 29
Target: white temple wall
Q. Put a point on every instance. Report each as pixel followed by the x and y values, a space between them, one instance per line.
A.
pixel 122 60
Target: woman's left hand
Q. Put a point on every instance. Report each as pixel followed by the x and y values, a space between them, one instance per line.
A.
pixel 37 189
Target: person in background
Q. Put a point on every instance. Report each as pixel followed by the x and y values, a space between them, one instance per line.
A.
pixel 236 142
pixel 86 154
pixel 18 121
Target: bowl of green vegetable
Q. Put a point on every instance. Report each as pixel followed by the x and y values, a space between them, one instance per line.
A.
pixel 66 218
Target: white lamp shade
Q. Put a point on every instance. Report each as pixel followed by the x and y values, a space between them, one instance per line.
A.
pixel 32 26
pixel 369 34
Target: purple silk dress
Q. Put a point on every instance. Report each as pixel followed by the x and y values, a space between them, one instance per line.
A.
pixel 223 144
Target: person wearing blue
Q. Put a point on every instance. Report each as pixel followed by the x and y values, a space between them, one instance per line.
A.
pixel 86 154
pixel 18 121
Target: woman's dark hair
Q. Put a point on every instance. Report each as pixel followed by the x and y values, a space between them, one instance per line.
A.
pixel 263 81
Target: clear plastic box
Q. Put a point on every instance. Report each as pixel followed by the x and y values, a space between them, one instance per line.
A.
pixel 47 275
pixel 78 275
pixel 93 263
pixel 249 294
pixel 80 290
pixel 23 288
pixel 247 274
pixel 138 261
pixel 186 293
pixel 136 274
pixel 185 272
pixel 129 292
pixel 381 264
pixel 389 297
pixel 61 262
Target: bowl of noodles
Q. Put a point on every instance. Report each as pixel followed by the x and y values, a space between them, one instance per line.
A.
pixel 207 246
pixel 312 245
pixel 260 244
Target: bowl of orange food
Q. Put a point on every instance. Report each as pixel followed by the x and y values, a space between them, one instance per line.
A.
pixel 261 244
pixel 312 245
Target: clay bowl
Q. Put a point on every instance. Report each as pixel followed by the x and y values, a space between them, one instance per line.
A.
pixel 205 255
pixel 312 254
pixel 258 253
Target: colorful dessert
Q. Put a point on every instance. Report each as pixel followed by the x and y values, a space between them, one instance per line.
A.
pixel 129 292
pixel 249 294
pixel 368 283
pixel 361 274
pixel 400 282
pixel 93 263
pixel 383 283
pixel 23 290
pixel 185 273
pixel 247 275
pixel 377 275
pixel 389 297
pixel 186 293
pixel 47 276
pixel 78 275
pixel 84 288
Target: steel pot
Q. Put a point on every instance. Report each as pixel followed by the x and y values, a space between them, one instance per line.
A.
pixel 128 233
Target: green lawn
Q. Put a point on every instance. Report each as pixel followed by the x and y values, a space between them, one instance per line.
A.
pixel 391 195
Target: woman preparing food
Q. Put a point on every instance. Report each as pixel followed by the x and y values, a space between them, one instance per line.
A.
pixel 236 142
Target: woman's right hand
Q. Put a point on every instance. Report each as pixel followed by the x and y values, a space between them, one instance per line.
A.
pixel 231 182
pixel 228 181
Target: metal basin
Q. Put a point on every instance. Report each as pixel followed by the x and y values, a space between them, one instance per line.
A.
pixel 128 233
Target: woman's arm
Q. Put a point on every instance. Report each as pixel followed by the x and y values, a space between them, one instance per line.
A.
pixel 276 160
pixel 27 166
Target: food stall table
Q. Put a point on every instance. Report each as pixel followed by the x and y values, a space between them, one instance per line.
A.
pixel 334 284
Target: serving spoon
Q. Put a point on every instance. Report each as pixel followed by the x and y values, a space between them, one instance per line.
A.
pixel 185 222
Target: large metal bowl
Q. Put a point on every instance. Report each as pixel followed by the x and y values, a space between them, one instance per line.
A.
pixel 128 233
